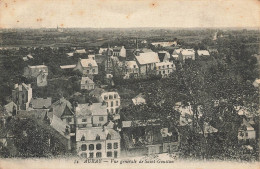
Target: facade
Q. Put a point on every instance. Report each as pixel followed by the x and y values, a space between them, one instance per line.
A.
pixel 131 68
pixel 39 72
pixel 246 132
pixel 91 115
pixel 165 68
pixel 146 62
pixel 184 54
pixel 87 66
pixel 112 100
pixel 22 95
pixel 98 143
pixel 119 51
pixel 87 83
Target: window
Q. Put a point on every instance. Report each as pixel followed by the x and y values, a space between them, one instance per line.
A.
pixel 115 145
pixel 163 67
pixel 84 120
pixel 116 103
pixel 168 71
pixel 69 120
pixel 91 147
pixel 159 67
pixel 105 97
pixel 112 110
pixel 115 95
pixel 115 154
pixel 109 154
pixel 109 138
pixel 101 118
pixel 110 97
pixel 107 110
pixel 168 66
pixel 98 154
pixel 83 147
pixel 98 146
pixel 82 138
pixel 97 137
pixel 84 155
pixel 112 104
pixel 93 70
pixel 246 134
pixel 91 155
pixel 109 146
pixel 163 72
pixel 134 66
pixel 84 125
pixel 159 72
pixel 117 110
pixel 87 71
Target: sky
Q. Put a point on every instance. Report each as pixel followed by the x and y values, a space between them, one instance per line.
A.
pixel 129 13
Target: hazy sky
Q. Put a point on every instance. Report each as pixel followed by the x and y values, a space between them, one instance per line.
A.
pixel 129 13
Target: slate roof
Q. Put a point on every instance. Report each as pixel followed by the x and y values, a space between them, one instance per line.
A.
pixel 39 103
pixel 86 80
pixel 147 58
pixel 90 134
pixel 80 51
pixel 59 106
pixel 94 109
pixel 10 107
pixel 67 66
pixel 88 62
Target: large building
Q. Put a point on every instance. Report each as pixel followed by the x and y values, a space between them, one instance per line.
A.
pixel 164 68
pixel 22 95
pixel 39 73
pixel 119 51
pixel 87 66
pixel 87 83
pixel 184 54
pixel 98 143
pixel 131 68
pixel 112 100
pixel 146 62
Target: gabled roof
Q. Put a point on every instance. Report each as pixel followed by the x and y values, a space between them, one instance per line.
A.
pixel 80 51
pixel 10 107
pixel 131 64
pixel 59 125
pixel 59 106
pixel 40 103
pixel 163 55
pixel 86 80
pixel 88 62
pixel 67 66
pixel 147 58
pixel 22 86
pixel 70 54
pixel 248 125
pixel 94 109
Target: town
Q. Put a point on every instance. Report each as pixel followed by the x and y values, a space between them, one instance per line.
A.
pixel 100 94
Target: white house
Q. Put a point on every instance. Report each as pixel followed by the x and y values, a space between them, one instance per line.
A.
pixel 164 68
pixel 87 83
pixel 112 100
pixel 131 68
pixel 98 143
pixel 87 66
pixel 246 132
pixel 22 95
pixel 146 62
pixel 119 51
pixel 39 73
pixel 184 54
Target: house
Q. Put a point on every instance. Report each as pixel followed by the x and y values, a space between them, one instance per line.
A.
pixel 87 66
pixel 119 51
pixel 112 100
pixel 98 143
pixel 203 53
pixel 146 62
pixel 139 99
pixel 165 68
pixel 27 57
pixel 39 72
pixel 184 54
pixel 246 132
pixel 91 115
pixel 64 110
pixel 80 51
pixel 131 68
pixel 87 83
pixel 10 109
pixel 69 54
pixel 40 103
pixel 22 95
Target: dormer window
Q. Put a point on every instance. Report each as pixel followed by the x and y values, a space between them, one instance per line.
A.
pixel 82 138
pixel 115 95
pixel 108 136
pixel 89 64
pixel 110 97
pixel 97 137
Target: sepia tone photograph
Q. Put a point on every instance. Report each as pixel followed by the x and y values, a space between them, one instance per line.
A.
pixel 129 84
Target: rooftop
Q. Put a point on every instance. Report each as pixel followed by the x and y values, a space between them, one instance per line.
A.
pixel 40 103
pixel 88 62
pixel 147 58
pixel 91 134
